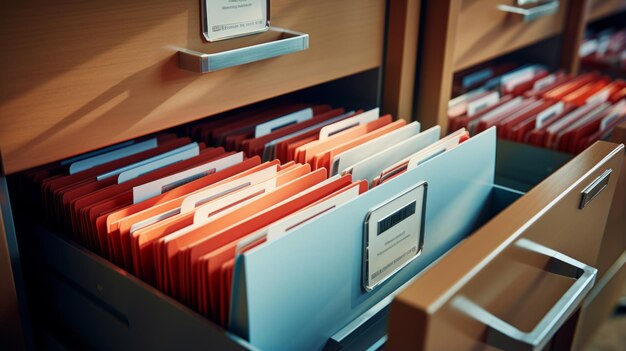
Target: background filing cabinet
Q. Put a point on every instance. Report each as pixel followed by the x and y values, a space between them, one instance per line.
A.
pixel 459 34
pixel 447 33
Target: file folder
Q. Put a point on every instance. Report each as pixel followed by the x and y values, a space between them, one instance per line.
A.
pixel 307 285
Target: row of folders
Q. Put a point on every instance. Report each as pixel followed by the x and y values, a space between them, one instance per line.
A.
pixel 216 217
pixel 604 51
pixel 532 105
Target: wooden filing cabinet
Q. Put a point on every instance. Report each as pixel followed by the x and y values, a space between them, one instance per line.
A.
pixel 459 34
pixel 82 75
pixel 455 42
pixel 602 299
pixel 603 8
pixel 487 29
pixel 76 76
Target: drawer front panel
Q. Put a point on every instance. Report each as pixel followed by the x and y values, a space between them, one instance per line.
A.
pixel 603 8
pixel 493 271
pixel 76 75
pixel 483 31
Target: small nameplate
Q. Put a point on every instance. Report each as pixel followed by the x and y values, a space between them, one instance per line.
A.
pixel 224 19
pixel 393 236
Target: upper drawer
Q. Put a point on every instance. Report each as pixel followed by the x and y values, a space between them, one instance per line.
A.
pixel 78 75
pixel 513 270
pixel 485 31
pixel 603 8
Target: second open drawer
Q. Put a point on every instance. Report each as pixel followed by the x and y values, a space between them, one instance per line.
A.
pixel 519 278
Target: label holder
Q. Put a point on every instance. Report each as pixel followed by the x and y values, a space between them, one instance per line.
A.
pixel 210 36
pixel 383 225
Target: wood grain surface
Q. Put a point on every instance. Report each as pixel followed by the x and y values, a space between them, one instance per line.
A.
pixel 79 75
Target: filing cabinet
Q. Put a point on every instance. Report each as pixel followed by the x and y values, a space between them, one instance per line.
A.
pixel 487 29
pixel 112 72
pixel 80 76
pixel 461 34
pixel 603 8
pixel 444 39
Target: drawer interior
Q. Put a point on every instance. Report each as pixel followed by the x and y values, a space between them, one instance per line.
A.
pixel 81 292
pixel 598 32
pixel 65 307
pixel 84 300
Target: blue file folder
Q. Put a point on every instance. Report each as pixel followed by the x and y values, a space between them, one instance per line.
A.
pixel 295 292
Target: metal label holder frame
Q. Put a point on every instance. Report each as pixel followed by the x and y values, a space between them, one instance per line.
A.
pixel 366 283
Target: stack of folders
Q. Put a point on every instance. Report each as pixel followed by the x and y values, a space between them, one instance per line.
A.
pixel 531 105
pixel 179 213
pixel 604 51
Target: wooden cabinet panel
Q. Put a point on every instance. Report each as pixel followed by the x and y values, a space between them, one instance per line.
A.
pixel 79 75
pixel 603 8
pixel 484 32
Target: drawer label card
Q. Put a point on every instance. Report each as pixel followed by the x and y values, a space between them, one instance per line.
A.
pixel 224 19
pixel 393 236
pixel 477 105
pixel 548 113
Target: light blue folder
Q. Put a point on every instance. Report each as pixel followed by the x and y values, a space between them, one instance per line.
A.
pixel 295 292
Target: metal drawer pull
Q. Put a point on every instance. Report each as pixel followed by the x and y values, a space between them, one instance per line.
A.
pixel 200 62
pixel 505 336
pixel 531 14
pixel 595 188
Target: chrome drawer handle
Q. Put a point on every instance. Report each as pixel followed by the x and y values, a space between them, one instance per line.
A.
pixel 593 189
pixel 505 336
pixel 202 63
pixel 531 14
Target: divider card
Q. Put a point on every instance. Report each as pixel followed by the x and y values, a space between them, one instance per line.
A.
pixel 370 167
pixel 359 119
pixel 341 161
pixel 157 187
pixel 310 282
pixel 324 159
pixel 281 122
pixel 223 19
pixel 183 149
pixel 93 154
pixel 269 151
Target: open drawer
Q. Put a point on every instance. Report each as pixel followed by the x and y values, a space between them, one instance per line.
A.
pixel 303 301
pixel 518 279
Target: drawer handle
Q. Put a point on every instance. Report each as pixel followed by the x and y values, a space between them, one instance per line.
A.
pixel 595 188
pixel 505 336
pixel 531 14
pixel 200 62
